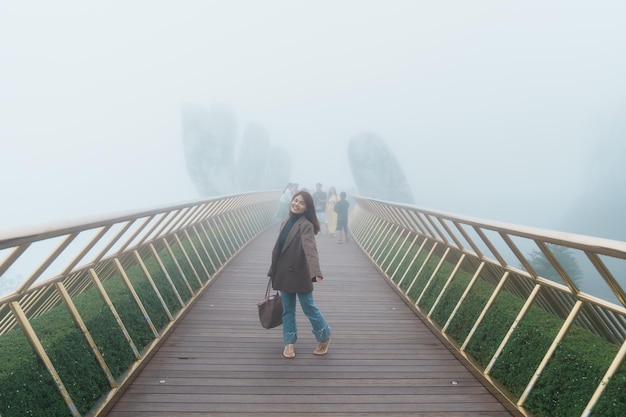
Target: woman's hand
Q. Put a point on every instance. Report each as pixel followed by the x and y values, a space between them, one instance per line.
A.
pixel 318 279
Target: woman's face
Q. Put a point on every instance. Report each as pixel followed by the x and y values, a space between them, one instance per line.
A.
pixel 298 205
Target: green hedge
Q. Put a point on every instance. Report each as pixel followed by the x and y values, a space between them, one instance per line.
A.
pixel 572 374
pixel 27 388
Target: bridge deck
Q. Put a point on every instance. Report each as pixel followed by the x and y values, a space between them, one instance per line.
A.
pixel 382 360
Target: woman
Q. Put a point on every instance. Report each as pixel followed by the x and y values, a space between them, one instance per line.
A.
pixel 294 269
pixel 331 215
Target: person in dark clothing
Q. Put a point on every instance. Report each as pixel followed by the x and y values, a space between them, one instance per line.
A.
pixel 341 208
pixel 294 269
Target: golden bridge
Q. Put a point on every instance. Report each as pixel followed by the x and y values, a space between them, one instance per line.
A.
pixel 433 314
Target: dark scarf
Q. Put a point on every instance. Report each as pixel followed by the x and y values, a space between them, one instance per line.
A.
pixel 293 218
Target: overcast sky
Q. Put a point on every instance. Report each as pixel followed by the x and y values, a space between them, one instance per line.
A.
pixel 493 108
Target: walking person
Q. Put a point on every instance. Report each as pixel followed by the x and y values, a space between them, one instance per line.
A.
pixel 320 198
pixel 285 201
pixel 294 269
pixel 331 215
pixel 341 208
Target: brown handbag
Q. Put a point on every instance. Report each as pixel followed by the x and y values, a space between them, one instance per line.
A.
pixel 271 309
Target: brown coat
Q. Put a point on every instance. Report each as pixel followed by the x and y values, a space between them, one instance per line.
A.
pixel 293 269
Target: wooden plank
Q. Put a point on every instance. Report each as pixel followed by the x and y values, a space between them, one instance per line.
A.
pixel 382 360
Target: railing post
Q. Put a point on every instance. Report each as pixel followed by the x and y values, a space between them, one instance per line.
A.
pixel 41 353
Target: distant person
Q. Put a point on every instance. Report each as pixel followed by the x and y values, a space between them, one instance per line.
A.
pixel 331 215
pixel 341 208
pixel 320 197
pixel 295 267
pixel 285 201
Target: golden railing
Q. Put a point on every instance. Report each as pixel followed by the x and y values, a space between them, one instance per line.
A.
pixel 114 287
pixel 411 245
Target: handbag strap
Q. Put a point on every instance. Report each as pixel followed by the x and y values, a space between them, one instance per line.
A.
pixel 269 287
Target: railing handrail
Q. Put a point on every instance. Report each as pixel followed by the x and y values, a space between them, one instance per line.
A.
pixel 389 231
pixel 14 236
pixel 610 247
pixel 586 244
pixel 24 237
pixel 142 269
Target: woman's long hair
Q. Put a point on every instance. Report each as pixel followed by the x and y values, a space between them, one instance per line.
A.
pixel 309 211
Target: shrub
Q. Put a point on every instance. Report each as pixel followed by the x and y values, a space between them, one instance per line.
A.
pixel 571 376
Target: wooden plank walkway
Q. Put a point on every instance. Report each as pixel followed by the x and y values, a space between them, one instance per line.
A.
pixel 382 361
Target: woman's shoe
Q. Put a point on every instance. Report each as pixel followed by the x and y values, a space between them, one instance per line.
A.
pixel 290 351
pixel 322 348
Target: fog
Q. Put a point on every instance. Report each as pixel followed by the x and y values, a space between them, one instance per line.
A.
pixel 499 110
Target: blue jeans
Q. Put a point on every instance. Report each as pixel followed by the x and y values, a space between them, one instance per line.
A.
pixel 321 330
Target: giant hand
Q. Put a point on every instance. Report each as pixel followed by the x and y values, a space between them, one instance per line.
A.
pixel 376 170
